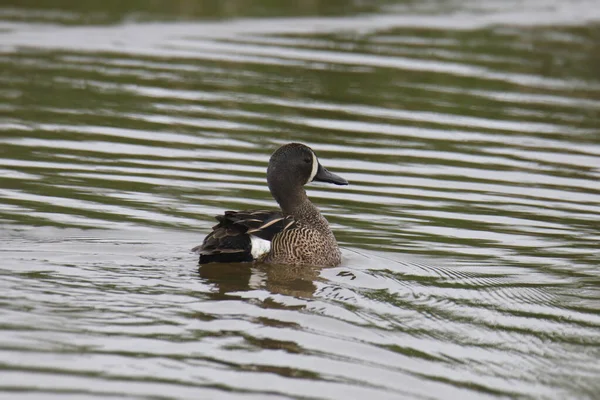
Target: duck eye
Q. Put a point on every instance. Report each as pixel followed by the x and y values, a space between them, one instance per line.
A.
pixel 307 160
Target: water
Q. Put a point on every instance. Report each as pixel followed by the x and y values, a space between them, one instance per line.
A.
pixel 471 137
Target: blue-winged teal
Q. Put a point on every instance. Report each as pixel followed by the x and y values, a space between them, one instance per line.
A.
pixel 298 234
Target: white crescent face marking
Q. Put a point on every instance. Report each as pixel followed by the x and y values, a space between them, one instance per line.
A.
pixel 315 168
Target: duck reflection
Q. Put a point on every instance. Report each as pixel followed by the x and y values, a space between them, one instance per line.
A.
pixel 227 278
pixel 290 280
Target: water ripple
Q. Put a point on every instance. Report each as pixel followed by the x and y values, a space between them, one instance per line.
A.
pixel 469 230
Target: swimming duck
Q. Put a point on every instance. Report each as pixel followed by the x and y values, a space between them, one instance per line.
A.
pixel 298 234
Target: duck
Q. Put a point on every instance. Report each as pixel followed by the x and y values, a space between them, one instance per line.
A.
pixel 296 234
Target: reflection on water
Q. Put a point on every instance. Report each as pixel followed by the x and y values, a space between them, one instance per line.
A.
pixel 469 232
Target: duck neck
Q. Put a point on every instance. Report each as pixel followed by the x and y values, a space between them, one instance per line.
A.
pixel 294 201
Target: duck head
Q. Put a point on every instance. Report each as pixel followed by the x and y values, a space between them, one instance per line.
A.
pixel 294 165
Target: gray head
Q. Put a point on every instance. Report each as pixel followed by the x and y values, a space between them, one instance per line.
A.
pixel 292 166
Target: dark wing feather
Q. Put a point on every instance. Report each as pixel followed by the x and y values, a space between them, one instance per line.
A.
pixel 230 239
pixel 272 226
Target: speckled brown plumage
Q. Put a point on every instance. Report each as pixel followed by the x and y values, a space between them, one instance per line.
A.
pixel 310 242
pixel 299 234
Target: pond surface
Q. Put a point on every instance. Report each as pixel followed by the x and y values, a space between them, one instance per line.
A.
pixel 470 134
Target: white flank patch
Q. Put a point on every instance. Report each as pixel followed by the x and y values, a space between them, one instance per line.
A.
pixel 259 246
pixel 315 168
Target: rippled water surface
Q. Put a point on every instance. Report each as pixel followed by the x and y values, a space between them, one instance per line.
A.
pixel 470 133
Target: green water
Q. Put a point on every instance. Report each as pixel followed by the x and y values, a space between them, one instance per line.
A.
pixel 470 134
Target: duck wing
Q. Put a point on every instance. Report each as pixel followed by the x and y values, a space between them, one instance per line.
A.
pixel 231 239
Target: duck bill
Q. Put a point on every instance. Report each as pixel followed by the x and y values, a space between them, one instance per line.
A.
pixel 325 176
